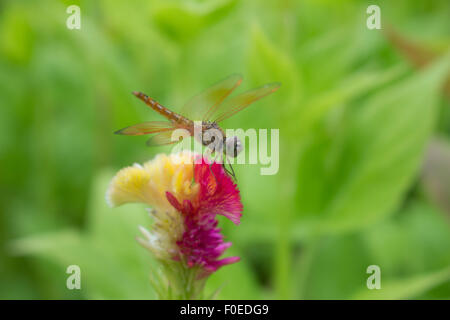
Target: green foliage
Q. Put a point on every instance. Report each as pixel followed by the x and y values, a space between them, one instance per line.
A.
pixel 112 265
pixel 410 249
pixel 374 153
pixel 183 21
pixel 355 120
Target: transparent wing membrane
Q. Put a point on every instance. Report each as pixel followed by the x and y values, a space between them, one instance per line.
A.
pixel 146 128
pixel 162 139
pixel 204 105
pixel 235 104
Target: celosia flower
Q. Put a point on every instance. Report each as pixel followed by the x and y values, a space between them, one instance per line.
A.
pixel 185 200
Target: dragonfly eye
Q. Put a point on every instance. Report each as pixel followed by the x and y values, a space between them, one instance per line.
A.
pixel 234 146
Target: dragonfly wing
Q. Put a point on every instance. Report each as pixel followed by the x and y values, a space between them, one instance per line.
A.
pixel 203 105
pixel 146 128
pixel 162 139
pixel 239 102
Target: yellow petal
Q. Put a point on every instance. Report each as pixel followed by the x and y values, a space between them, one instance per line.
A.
pixel 150 182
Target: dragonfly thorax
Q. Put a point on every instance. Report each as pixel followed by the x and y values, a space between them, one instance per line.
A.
pixel 212 136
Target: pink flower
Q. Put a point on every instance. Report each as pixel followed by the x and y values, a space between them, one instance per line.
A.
pixel 184 236
pixel 202 244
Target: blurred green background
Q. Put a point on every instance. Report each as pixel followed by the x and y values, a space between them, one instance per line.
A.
pixel 364 143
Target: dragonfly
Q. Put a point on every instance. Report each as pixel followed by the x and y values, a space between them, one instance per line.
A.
pixel 211 107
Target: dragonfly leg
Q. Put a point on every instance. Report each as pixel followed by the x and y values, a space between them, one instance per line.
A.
pixel 210 165
pixel 230 173
pixel 210 169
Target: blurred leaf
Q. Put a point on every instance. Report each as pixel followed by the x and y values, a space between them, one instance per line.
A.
pixel 354 171
pixel 411 249
pixel 412 252
pixel 357 85
pixel 113 265
pixel 418 54
pixel 436 173
pixel 416 241
pixel 17 39
pixel 234 282
pixel 405 288
pixel 267 62
pixel 182 21
pixel 331 268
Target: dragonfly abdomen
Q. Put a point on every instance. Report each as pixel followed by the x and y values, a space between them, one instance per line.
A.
pixel 172 116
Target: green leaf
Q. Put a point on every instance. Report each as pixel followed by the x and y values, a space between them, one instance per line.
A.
pixel 355 168
pixel 267 62
pixel 184 21
pixel 235 281
pixel 113 265
pixel 405 288
pixel 331 267
pixel 411 249
pixel 18 40
pixel 357 85
pixel 416 242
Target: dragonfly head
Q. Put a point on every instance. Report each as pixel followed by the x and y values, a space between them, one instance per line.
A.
pixel 233 146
